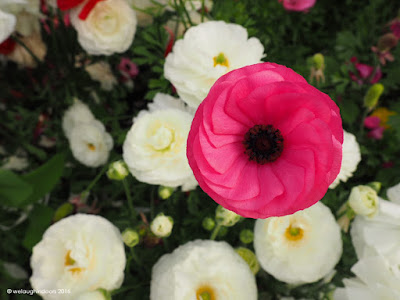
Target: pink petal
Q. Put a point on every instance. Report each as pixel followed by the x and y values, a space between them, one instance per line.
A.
pixel 372 122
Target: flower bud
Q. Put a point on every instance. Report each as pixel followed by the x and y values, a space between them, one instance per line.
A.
pixel 246 236
pixel 130 237
pixel 63 211
pixel 250 258
pixel 318 61
pixel 208 223
pixel 376 185
pixel 364 201
pixel 165 192
pixel 226 217
pixel 162 225
pixel 387 42
pixel 117 170
pixel 372 96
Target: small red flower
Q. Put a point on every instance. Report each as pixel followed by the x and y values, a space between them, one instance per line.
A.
pixel 87 8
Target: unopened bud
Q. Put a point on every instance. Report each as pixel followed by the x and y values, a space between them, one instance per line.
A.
pixel 117 170
pixel 376 185
pixel 208 223
pixel 364 201
pixel 63 211
pixel 246 236
pixel 372 96
pixel 165 192
pixel 387 42
pixel 162 225
pixel 130 237
pixel 226 217
pixel 250 258
pixel 318 61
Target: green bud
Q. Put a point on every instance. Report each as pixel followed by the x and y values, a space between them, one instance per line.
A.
pixel 208 223
pixel 117 170
pixel 226 217
pixel 63 211
pixel 246 236
pixel 372 96
pixel 250 258
pixel 376 185
pixel 165 192
pixel 130 237
pixel 318 61
pixel 223 231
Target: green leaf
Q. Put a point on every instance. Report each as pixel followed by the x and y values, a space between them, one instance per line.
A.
pixel 349 111
pixel 394 121
pixel 14 191
pixel 45 177
pixel 39 220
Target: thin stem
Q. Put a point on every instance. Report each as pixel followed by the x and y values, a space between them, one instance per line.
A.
pixel 94 181
pixel 215 232
pixel 129 198
pixel 22 44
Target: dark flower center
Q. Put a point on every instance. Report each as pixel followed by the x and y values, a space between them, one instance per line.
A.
pixel 263 143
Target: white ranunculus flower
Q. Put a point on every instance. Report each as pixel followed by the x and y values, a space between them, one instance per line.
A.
pixel 101 72
pixel 109 28
pixel 379 235
pixel 376 280
pixel 15 162
pixel 81 253
pixel 162 225
pixel 206 52
pixel 364 201
pixel 155 146
pixel 393 193
pixel 350 158
pixel 95 295
pixel 7 25
pixel 90 143
pixel 77 113
pixel 299 248
pixel 202 269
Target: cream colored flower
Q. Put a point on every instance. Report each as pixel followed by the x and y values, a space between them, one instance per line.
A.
pixel 109 28
pixel 96 295
pixel 202 269
pixel 206 52
pixel 350 159
pixel 162 225
pixel 22 57
pixel 81 253
pixel 376 279
pixel 76 113
pixel 155 146
pixel 378 235
pixel 393 193
pixel 364 201
pixel 15 162
pixel 299 248
pixel 7 25
pixel 101 72
pixel 90 143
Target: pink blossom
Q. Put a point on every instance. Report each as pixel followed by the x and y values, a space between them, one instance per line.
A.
pixel 373 123
pixel 128 68
pixel 264 142
pixel 298 5
pixel 395 27
pixel 365 73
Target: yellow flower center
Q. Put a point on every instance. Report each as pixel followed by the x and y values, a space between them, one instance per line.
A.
pixel 383 114
pixel 221 59
pixel 91 147
pixel 69 261
pixel 294 233
pixel 205 292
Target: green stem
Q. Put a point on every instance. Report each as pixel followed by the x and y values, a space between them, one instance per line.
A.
pixel 135 257
pixel 22 44
pixel 129 198
pixel 94 181
pixel 215 232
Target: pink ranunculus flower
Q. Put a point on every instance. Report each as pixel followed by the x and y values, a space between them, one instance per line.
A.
pixel 264 142
pixel 298 5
